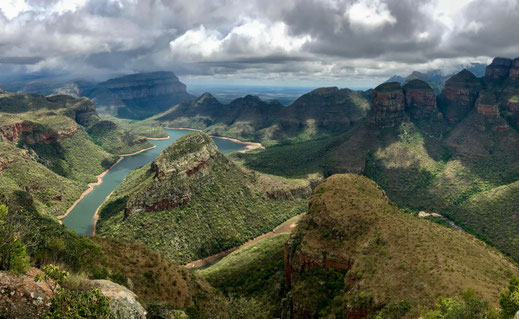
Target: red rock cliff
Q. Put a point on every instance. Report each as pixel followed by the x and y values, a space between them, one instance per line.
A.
pixel 420 99
pixel 388 105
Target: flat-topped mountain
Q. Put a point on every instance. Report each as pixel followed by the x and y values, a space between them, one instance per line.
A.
pixel 354 252
pixel 192 202
pixel 139 95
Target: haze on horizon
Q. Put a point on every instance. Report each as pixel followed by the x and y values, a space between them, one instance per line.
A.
pixel 355 43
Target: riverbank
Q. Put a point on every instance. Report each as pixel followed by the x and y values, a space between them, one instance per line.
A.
pixel 249 146
pixel 91 186
pixel 285 227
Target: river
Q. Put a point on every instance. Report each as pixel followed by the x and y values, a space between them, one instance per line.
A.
pixel 80 219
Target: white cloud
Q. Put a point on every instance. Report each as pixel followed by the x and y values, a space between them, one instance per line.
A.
pixel 12 8
pixel 369 15
pixel 252 38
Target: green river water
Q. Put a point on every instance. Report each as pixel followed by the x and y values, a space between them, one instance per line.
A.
pixel 80 218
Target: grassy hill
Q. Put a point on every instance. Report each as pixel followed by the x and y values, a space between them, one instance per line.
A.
pixel 193 202
pixel 54 146
pixel 355 252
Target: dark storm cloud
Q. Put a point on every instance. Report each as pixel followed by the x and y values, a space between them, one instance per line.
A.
pixel 355 39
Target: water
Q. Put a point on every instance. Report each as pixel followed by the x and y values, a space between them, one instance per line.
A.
pixel 80 218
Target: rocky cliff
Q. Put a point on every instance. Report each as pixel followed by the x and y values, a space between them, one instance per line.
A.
pixel 420 100
pixel 140 95
pixel 388 108
pixel 176 172
pixel 514 70
pixel 354 247
pixel 459 95
pixel 499 68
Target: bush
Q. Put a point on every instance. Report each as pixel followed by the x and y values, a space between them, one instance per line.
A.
pixel 509 300
pixel 13 255
pixel 469 306
pixel 72 304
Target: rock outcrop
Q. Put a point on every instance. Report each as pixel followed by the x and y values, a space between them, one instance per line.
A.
pixel 388 105
pixel 140 95
pixel 459 95
pixel 420 100
pixel 354 236
pixel 123 302
pixel 514 70
pixel 499 68
pixel 175 170
pixel 487 104
pixel 22 297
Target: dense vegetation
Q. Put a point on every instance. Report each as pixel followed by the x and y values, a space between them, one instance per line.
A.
pixel 226 206
pixel 254 273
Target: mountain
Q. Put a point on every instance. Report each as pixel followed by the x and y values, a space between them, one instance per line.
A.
pixel 354 253
pixel 435 78
pixel 52 147
pixel 192 202
pixel 457 159
pixel 324 111
pixel 140 95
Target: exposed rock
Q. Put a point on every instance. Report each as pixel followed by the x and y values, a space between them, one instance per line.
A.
pixel 514 70
pixel 388 105
pixel 21 297
pixel 32 133
pixel 460 94
pixel 499 68
pixel 172 170
pixel 487 105
pixel 420 99
pixel 123 302
pixel 140 95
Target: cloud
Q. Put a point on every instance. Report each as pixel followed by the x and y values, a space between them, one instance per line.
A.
pixel 341 41
pixel 250 39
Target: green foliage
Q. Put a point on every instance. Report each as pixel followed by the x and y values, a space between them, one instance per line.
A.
pixel 116 140
pixel 253 275
pixel 53 275
pixel 13 254
pixel 469 306
pixel 509 300
pixel 395 310
pixel 68 304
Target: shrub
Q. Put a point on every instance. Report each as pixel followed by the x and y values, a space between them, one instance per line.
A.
pixel 509 300
pixel 13 255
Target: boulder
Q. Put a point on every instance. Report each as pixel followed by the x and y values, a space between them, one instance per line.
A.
pixel 22 297
pixel 123 302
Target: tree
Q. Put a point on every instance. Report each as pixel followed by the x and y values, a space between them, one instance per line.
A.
pixel 509 300
pixel 13 254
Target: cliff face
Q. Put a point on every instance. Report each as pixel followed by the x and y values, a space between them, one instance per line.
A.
pixel 354 236
pixel 420 100
pixel 176 171
pixel 388 105
pixel 499 68
pixel 459 95
pixel 514 70
pixel 140 95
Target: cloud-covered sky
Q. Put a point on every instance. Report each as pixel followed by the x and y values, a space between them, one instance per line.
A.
pixel 340 42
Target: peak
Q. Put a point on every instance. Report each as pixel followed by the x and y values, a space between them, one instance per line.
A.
pixel 205 96
pixel 417 84
pixel 249 97
pixel 190 143
pixel 499 61
pixel 463 79
pixel 388 86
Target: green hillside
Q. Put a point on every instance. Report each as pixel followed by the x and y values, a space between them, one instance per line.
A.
pixel 193 202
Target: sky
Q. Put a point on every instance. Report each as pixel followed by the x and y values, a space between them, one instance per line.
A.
pixel 354 43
